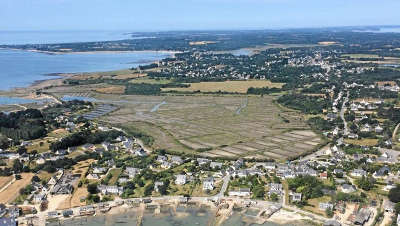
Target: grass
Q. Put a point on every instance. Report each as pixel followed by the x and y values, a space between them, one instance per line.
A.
pixel 44 176
pixel 147 80
pixel 314 205
pixel 227 86
pixel 5 180
pixel 357 56
pixel 363 142
pixel 112 90
pixel 79 193
pixel 115 175
pixel 12 191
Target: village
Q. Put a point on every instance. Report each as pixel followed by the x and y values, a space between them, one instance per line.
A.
pixel 333 185
pixel 320 144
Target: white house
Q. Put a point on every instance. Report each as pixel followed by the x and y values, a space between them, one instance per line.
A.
pixel 208 183
pixel 99 170
pixel 132 172
pixel 242 192
pixel 105 190
pixel 180 179
pixel 157 184
pixel 358 173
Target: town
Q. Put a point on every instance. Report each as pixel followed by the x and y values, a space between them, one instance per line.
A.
pixel 328 152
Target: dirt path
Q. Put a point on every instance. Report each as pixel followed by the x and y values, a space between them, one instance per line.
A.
pixel 7 185
pixel 395 132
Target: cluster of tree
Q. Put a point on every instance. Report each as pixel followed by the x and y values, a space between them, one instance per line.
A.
pixel 52 166
pixel 310 187
pixel 372 93
pixel 306 104
pixel 85 137
pixel 391 113
pixel 320 124
pixel 315 88
pixel 366 183
pixel 394 194
pixel 150 89
pixel 340 196
pixel 23 125
pixel 262 91
pixel 353 149
pixel 26 190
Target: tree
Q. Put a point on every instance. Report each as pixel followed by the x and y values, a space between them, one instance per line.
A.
pixel 274 197
pixel 148 189
pixel 366 183
pixel 397 208
pixel 17 166
pixel 35 179
pixel 92 188
pixel 329 212
pixel 258 192
pixel 394 194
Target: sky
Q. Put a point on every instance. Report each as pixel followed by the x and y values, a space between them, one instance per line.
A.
pixel 159 15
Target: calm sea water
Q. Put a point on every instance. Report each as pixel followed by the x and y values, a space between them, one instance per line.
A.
pixel 21 68
pixel 383 30
pixel 191 217
pixel 50 37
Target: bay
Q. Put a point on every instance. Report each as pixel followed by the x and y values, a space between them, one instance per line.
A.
pixel 22 68
pixel 52 37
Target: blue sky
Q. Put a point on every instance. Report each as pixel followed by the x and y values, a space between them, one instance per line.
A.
pixel 151 15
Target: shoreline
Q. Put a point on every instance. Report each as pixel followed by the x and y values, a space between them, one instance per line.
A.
pixel 281 217
pixel 94 52
pixel 61 76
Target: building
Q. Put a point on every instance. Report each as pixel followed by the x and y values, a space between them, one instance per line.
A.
pixel 398 219
pixel 382 172
pixel 106 190
pixel 99 170
pixel 347 188
pixel 208 184
pixel 132 172
pixel 275 188
pixel 180 179
pixel 161 158
pixel 362 216
pixel 92 176
pixel 295 197
pixel 325 206
pixel 216 165
pixel 388 206
pixel 242 192
pixel 332 223
pixel 176 160
pixel 358 173
pixel 158 184
pixel 202 161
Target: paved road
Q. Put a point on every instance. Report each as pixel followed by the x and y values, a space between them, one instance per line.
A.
pixel 395 132
pixel 224 186
pixel 342 111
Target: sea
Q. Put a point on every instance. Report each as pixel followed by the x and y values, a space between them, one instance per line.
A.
pixel 186 216
pixel 21 68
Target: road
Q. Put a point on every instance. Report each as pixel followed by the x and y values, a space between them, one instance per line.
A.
pixel 224 186
pixel 395 132
pixel 342 111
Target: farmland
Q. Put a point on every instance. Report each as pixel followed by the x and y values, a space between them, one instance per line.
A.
pixel 214 126
pixel 226 86
pixel 11 192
